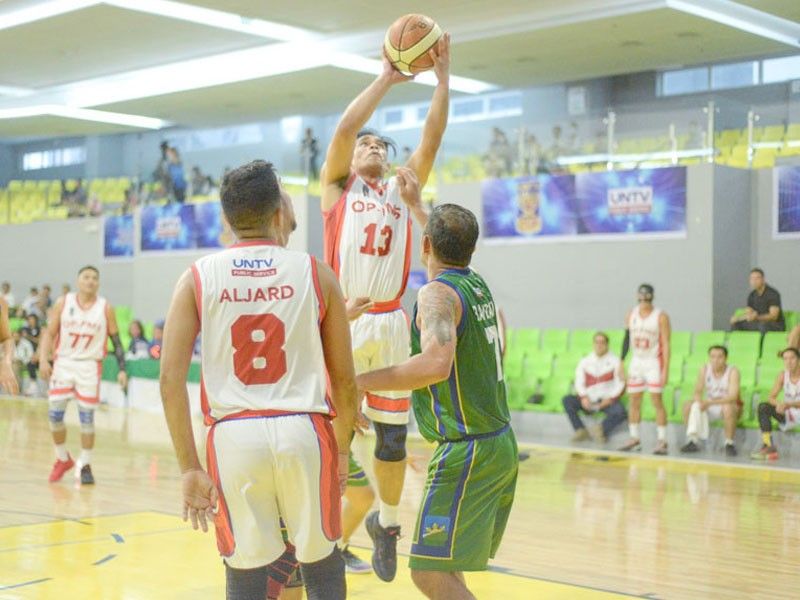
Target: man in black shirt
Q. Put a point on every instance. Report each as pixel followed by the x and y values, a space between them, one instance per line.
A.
pixel 763 307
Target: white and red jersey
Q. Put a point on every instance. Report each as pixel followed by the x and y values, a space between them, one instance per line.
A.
pixel 260 306
pixel 717 387
pixel 83 333
pixel 598 377
pixel 368 240
pixel 645 334
pixel 791 389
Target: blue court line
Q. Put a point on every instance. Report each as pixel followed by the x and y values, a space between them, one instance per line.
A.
pixel 104 560
pixel 118 538
pixel 19 585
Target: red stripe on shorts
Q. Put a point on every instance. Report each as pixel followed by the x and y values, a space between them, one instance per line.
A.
pixel 329 497
pixel 222 519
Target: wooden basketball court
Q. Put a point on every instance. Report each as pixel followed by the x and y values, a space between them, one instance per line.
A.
pixel 585 525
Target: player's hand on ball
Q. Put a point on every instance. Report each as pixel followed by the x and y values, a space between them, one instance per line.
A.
pixel 357 307
pixel 441 58
pixel 391 74
pixel 408 184
pixel 7 380
pixel 199 498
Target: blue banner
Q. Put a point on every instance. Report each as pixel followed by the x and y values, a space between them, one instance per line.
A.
pixel 650 202
pixel 208 222
pixel 118 236
pixel 787 202
pixel 170 227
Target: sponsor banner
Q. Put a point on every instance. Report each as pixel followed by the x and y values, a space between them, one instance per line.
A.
pixel 786 203
pixel 611 204
pixel 118 237
pixel 169 227
pixel 211 229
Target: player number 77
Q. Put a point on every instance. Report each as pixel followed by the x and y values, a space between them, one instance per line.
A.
pixel 77 336
pixel 494 339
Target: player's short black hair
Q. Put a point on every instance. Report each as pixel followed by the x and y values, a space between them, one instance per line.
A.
pixel 89 268
pixel 602 334
pixel 453 231
pixel 250 195
pixel 718 347
pixel 385 140
pixel 758 270
pixel 790 349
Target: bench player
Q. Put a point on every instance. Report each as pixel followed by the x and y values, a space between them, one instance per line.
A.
pixel 79 325
pixel 367 242
pixel 274 329
pixel 647 331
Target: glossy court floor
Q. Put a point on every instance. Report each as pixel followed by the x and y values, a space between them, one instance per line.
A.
pixel 585 525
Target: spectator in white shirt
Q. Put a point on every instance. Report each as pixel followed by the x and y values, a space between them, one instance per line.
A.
pixel 30 306
pixel 599 384
pixel 23 353
pixel 5 292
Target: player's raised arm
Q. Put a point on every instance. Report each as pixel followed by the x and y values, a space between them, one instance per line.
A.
pixel 180 331
pixel 49 334
pixel 438 314
pixel 422 159
pixel 340 151
pixel 7 379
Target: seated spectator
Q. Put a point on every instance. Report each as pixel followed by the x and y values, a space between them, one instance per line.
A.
pixel 599 384
pixel 177 178
pixel 30 306
pixel 5 292
pixel 23 357
pixel 155 343
pixel 45 301
pixel 794 337
pixel 201 184
pixel 32 332
pixel 786 413
pixel 763 311
pixel 716 396
pixel 139 347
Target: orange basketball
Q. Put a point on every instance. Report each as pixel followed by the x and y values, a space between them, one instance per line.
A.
pixel 408 41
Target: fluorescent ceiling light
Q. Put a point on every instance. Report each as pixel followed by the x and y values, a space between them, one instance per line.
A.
pixel 743 18
pixel 17 92
pixel 43 10
pixel 83 114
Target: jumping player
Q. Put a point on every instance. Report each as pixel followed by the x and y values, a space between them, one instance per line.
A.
pixel 367 242
pixel 647 330
pixel 460 403
pixel 80 323
pixel 273 322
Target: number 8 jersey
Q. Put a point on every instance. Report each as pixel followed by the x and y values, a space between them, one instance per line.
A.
pixel 368 240
pixel 260 307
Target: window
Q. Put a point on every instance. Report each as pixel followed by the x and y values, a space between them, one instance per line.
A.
pixel 393 117
pixel 506 103
pixel 422 112
pixel 48 159
pixel 466 108
pixel 734 75
pixel 781 69
pixel 685 81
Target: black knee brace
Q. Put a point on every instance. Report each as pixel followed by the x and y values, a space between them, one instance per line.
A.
pixel 390 445
pixel 324 579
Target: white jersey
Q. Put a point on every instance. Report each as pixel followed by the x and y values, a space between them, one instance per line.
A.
pixel 645 334
pixel 83 334
pixel 260 306
pixel 717 387
pixel 791 390
pixel 368 240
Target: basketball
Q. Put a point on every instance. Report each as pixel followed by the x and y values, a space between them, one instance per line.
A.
pixel 408 41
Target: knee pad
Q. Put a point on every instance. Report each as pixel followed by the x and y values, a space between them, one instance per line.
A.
pixel 87 420
pixel 56 415
pixel 390 445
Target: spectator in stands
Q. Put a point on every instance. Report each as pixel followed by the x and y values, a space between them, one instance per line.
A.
pixel 177 179
pixel 32 332
pixel 309 151
pixel 716 396
pixel 75 200
pixel 30 306
pixel 201 184
pixel 763 312
pixel 161 172
pixel 531 155
pixel 556 148
pixel 23 355
pixel 500 155
pixel 45 301
pixel 574 138
pixel 5 292
pixel 786 413
pixel 155 343
pixel 794 337
pixel 139 346
pixel 599 383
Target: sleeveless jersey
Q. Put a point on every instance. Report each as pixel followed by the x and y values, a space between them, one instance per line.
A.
pixel 83 334
pixel 645 334
pixel 717 387
pixel 260 306
pixel 791 391
pixel 472 400
pixel 368 240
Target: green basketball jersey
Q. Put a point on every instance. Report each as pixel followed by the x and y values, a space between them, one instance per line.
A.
pixel 472 400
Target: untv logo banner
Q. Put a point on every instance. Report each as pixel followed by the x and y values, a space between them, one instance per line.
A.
pixel 786 221
pixel 183 227
pixel 118 237
pixel 608 204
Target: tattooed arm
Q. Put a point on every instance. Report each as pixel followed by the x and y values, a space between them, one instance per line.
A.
pixel 438 314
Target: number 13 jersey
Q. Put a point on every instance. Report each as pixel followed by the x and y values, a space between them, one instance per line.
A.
pixel 368 240
pixel 260 307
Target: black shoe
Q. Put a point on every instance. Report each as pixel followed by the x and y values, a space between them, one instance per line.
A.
pixel 86 475
pixel 384 540
pixel 690 447
pixel 730 450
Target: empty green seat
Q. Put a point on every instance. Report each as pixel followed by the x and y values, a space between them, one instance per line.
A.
pixel 539 364
pixel 703 340
pixel 774 342
pixel 680 396
pixel 553 390
pixel 615 337
pixel 767 375
pixel 675 374
pixel 527 339
pixel 555 340
pixel 581 340
pixel 680 343
pixel 746 363
pixel 744 341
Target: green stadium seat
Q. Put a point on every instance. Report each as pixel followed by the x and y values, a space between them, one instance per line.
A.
pixel 528 339
pixel 744 341
pixel 774 342
pixel 539 365
pixel 680 396
pixel 16 323
pixel 675 374
pixel 746 362
pixel 680 343
pixel 553 390
pixel 615 337
pixel 148 330
pixel 703 340
pixel 791 318
pixel 555 340
pixel 767 374
pixel 513 365
pixel 581 340
pixel 123 313
pixel 565 365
